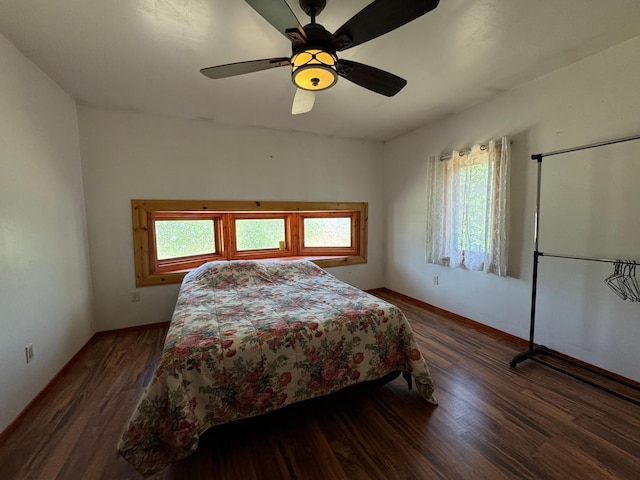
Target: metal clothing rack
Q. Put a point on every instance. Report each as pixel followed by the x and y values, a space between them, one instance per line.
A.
pixel 534 349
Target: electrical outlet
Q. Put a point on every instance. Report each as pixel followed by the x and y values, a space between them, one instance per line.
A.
pixel 135 296
pixel 28 352
pixel 435 280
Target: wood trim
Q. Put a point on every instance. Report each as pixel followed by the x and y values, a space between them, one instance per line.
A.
pixel 362 432
pixel 364 229
pixel 262 253
pixel 9 429
pixel 453 316
pixel 183 263
pixel 593 368
pixel 131 329
pixel 241 205
pixel 140 238
pixel 354 216
pixel 141 209
pixel 494 332
pixel 340 262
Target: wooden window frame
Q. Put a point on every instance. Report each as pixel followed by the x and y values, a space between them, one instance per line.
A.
pixel 235 254
pixel 354 216
pixel 190 261
pixel 149 271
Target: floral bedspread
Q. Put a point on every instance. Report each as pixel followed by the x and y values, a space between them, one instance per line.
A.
pixel 249 337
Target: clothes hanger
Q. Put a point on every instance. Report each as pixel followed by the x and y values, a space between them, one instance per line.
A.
pixel 613 281
pixel 630 282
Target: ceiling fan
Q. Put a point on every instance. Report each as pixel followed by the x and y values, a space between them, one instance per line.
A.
pixel 314 63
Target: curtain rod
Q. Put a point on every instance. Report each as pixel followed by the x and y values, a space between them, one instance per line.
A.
pixel 540 156
pixel 449 156
pixel 483 146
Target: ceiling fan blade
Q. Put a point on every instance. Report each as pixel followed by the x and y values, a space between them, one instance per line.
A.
pixel 240 68
pixel 279 14
pixel 371 78
pixel 378 18
pixel 303 101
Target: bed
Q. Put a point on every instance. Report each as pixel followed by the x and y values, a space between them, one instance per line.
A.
pixel 250 337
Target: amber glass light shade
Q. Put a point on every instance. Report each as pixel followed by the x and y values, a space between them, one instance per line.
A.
pixel 314 70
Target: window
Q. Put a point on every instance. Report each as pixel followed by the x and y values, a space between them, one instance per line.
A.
pixel 181 238
pixel 467 208
pixel 327 232
pixel 183 241
pixel 334 233
pixel 173 237
pixel 260 233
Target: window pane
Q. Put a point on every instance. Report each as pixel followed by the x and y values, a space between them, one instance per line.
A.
pixel 252 234
pixel 471 209
pixel 327 232
pixel 183 238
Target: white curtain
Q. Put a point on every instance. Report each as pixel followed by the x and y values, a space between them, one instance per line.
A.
pixel 467 208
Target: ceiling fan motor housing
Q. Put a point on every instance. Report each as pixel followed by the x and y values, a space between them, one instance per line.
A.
pixel 317 37
pixel 312 7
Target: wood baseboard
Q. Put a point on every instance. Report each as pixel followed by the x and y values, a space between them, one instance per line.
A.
pixel 454 316
pixel 594 369
pixel 132 329
pixel 507 336
pixel 6 433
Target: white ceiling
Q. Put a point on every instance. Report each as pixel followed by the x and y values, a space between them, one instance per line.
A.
pixel 145 55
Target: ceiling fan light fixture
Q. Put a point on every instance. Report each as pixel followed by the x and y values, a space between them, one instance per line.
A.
pixel 314 69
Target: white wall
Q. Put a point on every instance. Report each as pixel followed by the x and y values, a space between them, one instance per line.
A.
pixel 590 207
pixel 127 155
pixel 45 286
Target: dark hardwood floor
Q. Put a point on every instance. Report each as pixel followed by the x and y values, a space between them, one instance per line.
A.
pixel 493 422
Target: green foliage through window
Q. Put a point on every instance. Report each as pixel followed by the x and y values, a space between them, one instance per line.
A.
pixel 182 238
pixel 471 215
pixel 327 232
pixel 259 234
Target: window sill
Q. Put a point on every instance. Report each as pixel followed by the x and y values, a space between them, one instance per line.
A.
pixel 178 275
